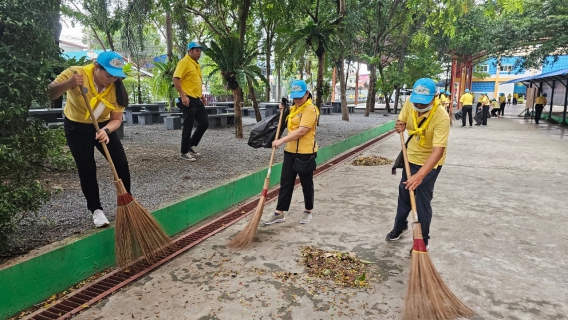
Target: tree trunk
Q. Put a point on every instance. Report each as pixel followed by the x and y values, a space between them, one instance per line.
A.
pixel 319 83
pixel 343 90
pixel 278 74
pixel 268 55
pixel 400 70
pixel 139 89
pixel 243 15
pixel 254 101
pixel 169 34
pixel 238 113
pixel 371 97
pixel 387 102
pixel 357 83
pixel 109 39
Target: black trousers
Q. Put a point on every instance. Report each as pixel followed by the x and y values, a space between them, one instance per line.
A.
pixel 538 112
pixel 494 112
pixel 288 178
pixel 514 101
pixel 484 115
pixel 82 144
pixel 423 196
pixel 466 110
pixel 195 112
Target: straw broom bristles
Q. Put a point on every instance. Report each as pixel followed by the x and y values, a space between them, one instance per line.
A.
pixel 137 232
pixel 245 237
pixel 428 297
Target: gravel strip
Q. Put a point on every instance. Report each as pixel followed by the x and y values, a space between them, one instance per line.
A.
pixel 160 177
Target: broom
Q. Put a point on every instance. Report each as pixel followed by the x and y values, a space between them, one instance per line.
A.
pixel 245 237
pixel 428 297
pixel 137 232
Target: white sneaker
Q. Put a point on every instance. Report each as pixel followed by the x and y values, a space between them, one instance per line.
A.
pixel 99 219
pixel 306 217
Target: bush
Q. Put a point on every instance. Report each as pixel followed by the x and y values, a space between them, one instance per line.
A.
pixel 28 56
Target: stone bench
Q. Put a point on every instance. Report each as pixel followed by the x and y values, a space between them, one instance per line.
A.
pixel 221 120
pixel 148 117
pixel 326 110
pixel 351 108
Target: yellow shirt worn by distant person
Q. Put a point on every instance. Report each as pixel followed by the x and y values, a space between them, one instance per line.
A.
pixel 540 100
pixel 484 100
pixel 502 99
pixel 189 73
pixel 307 117
pixel 496 105
pixel 466 99
pixel 75 108
pixel 436 134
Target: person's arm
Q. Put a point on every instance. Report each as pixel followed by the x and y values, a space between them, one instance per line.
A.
pixel 112 125
pixel 183 95
pixel 415 180
pixel 294 135
pixel 56 90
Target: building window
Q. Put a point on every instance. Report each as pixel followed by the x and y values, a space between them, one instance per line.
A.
pixel 506 68
pixel 482 68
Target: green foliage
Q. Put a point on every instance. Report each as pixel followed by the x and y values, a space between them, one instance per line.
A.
pixel 28 56
pixel 162 84
pixel 235 62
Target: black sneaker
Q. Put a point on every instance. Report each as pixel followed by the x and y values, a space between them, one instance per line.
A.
pixel 193 152
pixel 395 235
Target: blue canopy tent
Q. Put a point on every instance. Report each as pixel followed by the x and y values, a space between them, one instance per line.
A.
pixel 549 79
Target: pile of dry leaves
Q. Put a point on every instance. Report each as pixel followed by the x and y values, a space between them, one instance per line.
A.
pixel 344 268
pixel 371 161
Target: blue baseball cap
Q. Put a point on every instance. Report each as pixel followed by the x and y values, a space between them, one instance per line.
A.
pixel 423 91
pixel 466 90
pixel 442 91
pixel 112 62
pixel 298 89
pixel 193 45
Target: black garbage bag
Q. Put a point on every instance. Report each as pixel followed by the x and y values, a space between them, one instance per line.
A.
pixel 264 132
pixel 458 115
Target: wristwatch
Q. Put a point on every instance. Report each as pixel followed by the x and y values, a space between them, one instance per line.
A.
pixel 107 131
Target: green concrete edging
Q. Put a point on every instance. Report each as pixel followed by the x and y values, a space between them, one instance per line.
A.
pixel 29 282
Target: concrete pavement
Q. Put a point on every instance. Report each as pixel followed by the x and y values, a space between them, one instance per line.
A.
pixel 498 239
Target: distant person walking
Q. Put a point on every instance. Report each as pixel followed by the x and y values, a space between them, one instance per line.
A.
pixel 509 98
pixel 466 104
pixel 188 81
pixel 502 104
pixel 299 155
pixel 105 91
pixel 430 125
pixel 540 102
pixel 515 98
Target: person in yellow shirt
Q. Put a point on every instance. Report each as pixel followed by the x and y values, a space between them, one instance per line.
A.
pixel 466 104
pixel 107 96
pixel 540 102
pixel 300 153
pixel 509 98
pixel 188 81
pixel 429 126
pixel 485 103
pixel 515 98
pixel 496 108
pixel 502 104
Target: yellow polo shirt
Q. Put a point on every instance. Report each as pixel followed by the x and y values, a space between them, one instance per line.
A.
pixel 484 100
pixel 308 118
pixel 466 99
pixel 437 134
pixel 189 72
pixel 75 108
pixel 540 100
pixel 502 99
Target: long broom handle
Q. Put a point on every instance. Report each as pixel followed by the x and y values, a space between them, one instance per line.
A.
pixel 96 124
pixel 267 180
pixel 408 175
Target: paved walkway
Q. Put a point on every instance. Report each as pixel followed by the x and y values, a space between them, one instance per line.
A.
pixel 498 239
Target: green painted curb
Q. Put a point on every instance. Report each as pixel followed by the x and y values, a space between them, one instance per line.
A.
pixel 29 282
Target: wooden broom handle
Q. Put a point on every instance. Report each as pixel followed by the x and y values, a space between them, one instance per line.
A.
pixel 96 124
pixel 267 180
pixel 408 175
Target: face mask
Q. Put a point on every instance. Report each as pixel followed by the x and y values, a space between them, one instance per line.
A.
pixel 423 110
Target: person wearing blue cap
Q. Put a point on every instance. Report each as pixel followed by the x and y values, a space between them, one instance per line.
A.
pixel 299 155
pixel 540 102
pixel 485 103
pixel 102 81
pixel 466 103
pixel 188 82
pixel 428 127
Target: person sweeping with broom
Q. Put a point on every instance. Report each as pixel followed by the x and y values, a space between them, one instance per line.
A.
pixel 299 155
pixel 426 154
pixel 102 80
